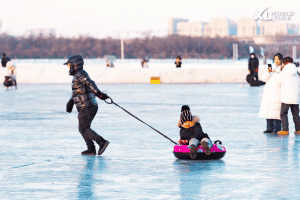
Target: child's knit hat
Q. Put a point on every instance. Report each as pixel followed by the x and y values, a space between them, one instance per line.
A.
pixel 186 115
pixel 185 107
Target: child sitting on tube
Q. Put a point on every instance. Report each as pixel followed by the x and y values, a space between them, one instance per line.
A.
pixel 191 132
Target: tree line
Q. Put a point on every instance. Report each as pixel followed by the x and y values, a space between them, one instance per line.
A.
pixel 148 47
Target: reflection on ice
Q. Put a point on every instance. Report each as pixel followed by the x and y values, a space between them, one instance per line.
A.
pixel 40 146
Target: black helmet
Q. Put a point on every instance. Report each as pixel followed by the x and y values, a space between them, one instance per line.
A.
pixel 76 62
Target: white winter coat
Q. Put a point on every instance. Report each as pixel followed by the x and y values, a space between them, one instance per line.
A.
pixel 11 70
pixel 289 81
pixel 271 104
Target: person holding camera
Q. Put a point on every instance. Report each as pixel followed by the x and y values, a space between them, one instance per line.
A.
pixel 84 91
pixel 288 79
pixel 271 103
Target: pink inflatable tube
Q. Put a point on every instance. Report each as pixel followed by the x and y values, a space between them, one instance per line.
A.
pixel 217 151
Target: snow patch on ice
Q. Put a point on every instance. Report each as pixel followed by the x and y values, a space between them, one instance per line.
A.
pixel 51 73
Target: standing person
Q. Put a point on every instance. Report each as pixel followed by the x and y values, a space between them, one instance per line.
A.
pixel 84 91
pixel 271 104
pixel 4 60
pixel 178 62
pixel 191 132
pixel 289 82
pixel 109 63
pixel 253 65
pixel 10 77
pixel 144 63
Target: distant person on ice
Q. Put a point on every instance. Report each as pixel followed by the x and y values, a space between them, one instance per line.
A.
pixel 178 62
pixel 144 63
pixel 10 78
pixel 288 79
pixel 109 63
pixel 253 65
pixel 4 60
pixel 191 132
pixel 271 104
pixel 84 91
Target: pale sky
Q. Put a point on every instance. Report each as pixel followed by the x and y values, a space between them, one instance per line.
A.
pixel 102 18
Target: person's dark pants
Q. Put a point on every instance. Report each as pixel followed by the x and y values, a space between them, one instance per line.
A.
pixel 284 116
pixel 85 117
pixel 273 125
pixel 256 75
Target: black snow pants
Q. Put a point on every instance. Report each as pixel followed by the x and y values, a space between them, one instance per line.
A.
pixel 85 117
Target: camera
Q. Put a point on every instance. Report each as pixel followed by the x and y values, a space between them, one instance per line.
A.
pixel 269 67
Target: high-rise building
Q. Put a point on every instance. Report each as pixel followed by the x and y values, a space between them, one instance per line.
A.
pixel 40 32
pixel 193 29
pixel 247 27
pixel 206 30
pixel 222 27
pixel 273 28
pixel 293 29
pixel 172 25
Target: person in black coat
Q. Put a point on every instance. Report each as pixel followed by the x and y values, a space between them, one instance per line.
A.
pixel 4 60
pixel 253 65
pixel 191 132
pixel 178 62
pixel 84 91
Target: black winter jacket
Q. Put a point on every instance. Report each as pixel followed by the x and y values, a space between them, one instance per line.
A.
pixel 83 90
pixel 253 63
pixel 193 132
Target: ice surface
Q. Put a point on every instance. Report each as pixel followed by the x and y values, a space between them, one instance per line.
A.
pixel 234 72
pixel 40 145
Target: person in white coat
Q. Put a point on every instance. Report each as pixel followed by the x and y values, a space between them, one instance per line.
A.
pixel 11 74
pixel 289 81
pixel 271 104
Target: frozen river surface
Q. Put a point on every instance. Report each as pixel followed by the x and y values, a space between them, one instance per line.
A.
pixel 40 146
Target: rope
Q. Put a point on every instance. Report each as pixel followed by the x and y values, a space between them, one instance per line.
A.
pixel 112 102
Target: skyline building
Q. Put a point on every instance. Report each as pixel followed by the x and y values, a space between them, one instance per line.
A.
pixel 172 25
pixel 222 27
pixel 193 29
pixel 246 29
pixel 40 32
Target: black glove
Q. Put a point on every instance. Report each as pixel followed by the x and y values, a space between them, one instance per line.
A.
pixel 70 105
pixel 102 96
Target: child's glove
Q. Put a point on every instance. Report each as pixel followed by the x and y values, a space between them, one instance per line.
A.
pixel 102 96
pixel 70 105
pixel 183 142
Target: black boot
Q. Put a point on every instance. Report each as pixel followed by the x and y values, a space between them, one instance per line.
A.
pixel 89 152
pixel 268 131
pixel 193 151
pixel 103 144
